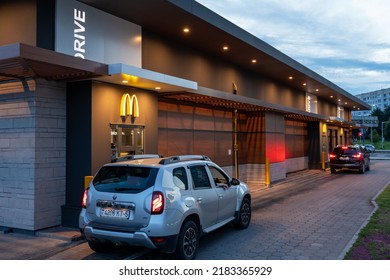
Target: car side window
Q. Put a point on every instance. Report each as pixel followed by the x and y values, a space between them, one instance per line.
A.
pixel 219 178
pixel 200 178
pixel 180 178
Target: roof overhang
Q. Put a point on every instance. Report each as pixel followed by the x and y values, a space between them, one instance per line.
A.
pixel 21 62
pixel 228 101
pixel 141 78
pixel 153 16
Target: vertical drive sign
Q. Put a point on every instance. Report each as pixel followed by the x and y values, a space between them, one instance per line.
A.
pixel 79 33
pixel 89 33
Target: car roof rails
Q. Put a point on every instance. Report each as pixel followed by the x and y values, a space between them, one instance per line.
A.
pixel 174 159
pixel 135 157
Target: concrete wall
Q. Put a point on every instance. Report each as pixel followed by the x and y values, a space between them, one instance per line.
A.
pixel 106 100
pixel 21 16
pixel 32 148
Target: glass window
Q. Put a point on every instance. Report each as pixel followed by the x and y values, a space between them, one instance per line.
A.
pixel 311 103
pixel 340 112
pixel 124 179
pixel 220 179
pixel 180 178
pixel 200 179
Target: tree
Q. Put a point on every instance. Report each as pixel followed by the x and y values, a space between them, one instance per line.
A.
pixel 381 117
pixel 386 113
pixel 386 132
pixel 375 136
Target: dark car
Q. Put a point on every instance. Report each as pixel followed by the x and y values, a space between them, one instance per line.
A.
pixel 354 157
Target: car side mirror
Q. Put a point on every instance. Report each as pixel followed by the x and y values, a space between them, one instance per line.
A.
pixel 235 182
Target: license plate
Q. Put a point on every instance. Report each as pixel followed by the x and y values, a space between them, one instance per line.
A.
pixel 115 213
pixel 344 158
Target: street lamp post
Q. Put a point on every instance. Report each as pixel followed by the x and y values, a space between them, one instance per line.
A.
pixel 382 134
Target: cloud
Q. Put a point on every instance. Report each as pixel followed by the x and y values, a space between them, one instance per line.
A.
pixel 345 41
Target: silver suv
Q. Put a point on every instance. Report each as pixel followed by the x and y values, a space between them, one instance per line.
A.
pixel 161 203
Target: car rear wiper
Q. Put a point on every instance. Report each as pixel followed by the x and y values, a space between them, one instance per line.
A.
pixel 107 181
pixel 124 189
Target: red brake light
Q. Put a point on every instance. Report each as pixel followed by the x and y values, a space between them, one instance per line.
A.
pixel 358 155
pixel 332 156
pixel 85 198
pixel 344 147
pixel 157 203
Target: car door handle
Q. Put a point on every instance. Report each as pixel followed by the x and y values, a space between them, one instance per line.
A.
pixel 200 199
pixel 220 195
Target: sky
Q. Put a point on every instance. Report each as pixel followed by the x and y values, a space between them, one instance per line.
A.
pixel 345 41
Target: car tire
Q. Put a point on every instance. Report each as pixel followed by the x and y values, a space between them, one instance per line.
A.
pixel 101 247
pixel 188 241
pixel 332 170
pixel 362 168
pixel 245 214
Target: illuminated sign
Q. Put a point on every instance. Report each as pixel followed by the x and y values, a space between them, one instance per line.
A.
pixel 129 106
pixel 79 33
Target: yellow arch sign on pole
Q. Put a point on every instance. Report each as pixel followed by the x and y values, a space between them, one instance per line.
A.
pixel 129 106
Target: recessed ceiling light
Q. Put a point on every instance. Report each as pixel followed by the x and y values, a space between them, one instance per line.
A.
pixel 125 82
pixel 290 78
pixel 157 88
pixel 331 96
pixel 317 90
pixel 304 84
pixel 225 48
pixel 254 60
pixel 186 30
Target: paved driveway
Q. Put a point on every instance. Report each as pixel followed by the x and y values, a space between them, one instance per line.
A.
pixel 311 215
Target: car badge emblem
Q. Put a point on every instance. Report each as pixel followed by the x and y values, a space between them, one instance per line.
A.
pixel 114 197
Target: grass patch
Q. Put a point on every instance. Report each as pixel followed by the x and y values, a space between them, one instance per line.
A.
pixel 373 242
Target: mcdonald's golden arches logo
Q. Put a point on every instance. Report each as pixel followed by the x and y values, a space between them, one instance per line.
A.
pixel 129 106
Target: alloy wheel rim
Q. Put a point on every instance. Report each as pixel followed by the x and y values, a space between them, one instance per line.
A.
pixel 190 242
pixel 245 214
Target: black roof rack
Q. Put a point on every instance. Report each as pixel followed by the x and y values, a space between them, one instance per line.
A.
pixel 135 157
pixel 174 159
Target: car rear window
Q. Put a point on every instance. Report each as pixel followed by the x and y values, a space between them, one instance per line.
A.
pixel 127 179
pixel 345 151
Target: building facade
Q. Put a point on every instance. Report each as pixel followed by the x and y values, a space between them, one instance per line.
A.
pixel 82 82
pixel 377 99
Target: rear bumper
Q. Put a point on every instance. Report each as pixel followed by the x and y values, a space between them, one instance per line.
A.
pixel 132 239
pixel 139 238
pixel 356 165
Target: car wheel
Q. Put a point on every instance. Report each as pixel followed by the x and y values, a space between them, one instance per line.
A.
pixel 332 170
pixel 244 216
pixel 362 168
pixel 188 242
pixel 101 247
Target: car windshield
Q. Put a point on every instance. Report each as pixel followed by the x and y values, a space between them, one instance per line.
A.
pixel 130 179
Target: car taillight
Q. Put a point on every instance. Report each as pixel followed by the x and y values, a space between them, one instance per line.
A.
pixel 359 155
pixel 85 198
pixel 157 203
pixel 332 156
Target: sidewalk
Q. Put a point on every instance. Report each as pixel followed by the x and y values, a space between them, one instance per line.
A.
pixel 20 245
